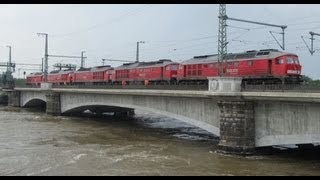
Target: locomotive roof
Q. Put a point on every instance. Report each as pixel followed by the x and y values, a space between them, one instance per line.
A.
pixel 159 63
pixel 36 74
pixel 101 68
pixel 61 72
pixel 253 55
pixel 95 69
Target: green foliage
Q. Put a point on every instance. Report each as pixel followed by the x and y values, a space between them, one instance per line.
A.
pixel 306 78
pixel 315 83
pixel 20 82
pixel 312 82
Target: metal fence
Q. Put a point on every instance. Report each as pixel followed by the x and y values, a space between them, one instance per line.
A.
pixel 154 87
pixel 281 87
pixel 245 87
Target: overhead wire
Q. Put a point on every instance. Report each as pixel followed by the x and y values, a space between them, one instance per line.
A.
pixel 178 42
pixel 117 19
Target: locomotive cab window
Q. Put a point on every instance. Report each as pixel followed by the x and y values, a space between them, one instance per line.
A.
pixel 174 67
pixel 296 60
pixel 168 68
pixel 279 61
pixel 290 60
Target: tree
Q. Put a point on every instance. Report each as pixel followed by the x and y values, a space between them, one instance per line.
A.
pixel 306 78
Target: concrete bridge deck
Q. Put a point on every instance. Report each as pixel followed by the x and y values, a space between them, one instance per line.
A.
pixel 278 96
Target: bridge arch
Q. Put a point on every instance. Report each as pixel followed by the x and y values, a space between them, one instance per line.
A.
pixel 31 99
pixel 95 109
pixel 35 103
pixel 114 107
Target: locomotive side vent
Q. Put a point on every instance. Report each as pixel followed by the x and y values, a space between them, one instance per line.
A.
pixel 252 51
pixel 165 60
pixel 273 50
pixel 245 55
pixel 230 56
pixel 204 56
pixel 262 53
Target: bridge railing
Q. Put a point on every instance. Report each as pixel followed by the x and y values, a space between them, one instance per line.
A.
pixel 197 87
pixel 202 87
pixel 281 87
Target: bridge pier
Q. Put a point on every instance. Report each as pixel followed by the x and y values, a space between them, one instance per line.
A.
pixel 14 98
pixel 3 98
pixel 237 127
pixel 53 103
pixel 237 123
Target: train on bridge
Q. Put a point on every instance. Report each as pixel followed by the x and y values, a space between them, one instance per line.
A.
pixel 264 66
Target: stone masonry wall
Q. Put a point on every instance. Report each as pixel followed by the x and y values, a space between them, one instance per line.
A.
pixel 53 103
pixel 237 127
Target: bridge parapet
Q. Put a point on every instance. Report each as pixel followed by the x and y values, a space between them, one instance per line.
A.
pixel 224 84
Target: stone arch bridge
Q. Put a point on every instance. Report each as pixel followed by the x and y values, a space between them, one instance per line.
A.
pixel 242 120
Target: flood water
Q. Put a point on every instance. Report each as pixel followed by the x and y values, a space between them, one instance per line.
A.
pixel 33 143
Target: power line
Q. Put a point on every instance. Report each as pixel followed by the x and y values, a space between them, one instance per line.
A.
pixel 117 19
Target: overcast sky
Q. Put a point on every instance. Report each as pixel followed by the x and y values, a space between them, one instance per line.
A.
pixel 174 31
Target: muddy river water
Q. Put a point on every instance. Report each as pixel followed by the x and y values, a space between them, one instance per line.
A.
pixel 33 143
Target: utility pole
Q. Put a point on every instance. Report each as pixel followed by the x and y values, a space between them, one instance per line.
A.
pixel 222 38
pixel 312 39
pixel 137 58
pixel 42 67
pixel 82 60
pixel 45 56
pixel 9 64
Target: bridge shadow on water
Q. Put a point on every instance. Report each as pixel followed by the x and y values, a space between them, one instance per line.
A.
pixel 165 125
pixel 301 152
pixel 151 123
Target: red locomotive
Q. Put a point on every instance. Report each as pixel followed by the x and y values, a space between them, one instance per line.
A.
pixel 95 76
pixel 264 66
pixel 155 72
pixel 35 79
pixel 269 66
pixel 60 77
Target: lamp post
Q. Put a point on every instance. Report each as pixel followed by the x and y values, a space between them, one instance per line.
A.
pixel 82 59
pixel 137 58
pixel 9 64
pixel 45 64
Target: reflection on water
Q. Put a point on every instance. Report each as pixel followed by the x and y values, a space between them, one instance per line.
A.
pixel 33 143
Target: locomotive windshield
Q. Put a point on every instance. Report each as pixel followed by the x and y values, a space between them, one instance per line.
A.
pixel 174 67
pixel 296 60
pixel 290 60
